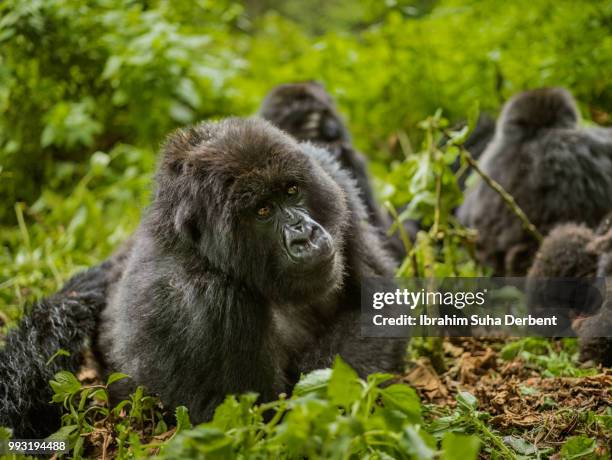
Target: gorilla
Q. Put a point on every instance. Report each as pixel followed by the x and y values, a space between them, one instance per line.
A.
pixel 556 170
pixel 565 253
pixel 67 320
pixel 245 272
pixel 307 112
pixel 218 298
pixel 573 251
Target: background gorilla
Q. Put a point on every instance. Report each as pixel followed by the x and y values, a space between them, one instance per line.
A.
pixel 557 172
pixel 564 253
pixel 575 251
pixel 245 271
pixel 307 112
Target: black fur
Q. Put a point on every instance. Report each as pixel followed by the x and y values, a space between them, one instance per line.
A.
pixel 67 320
pixel 573 251
pixel 307 112
pixel 564 254
pixel 556 170
pixel 207 306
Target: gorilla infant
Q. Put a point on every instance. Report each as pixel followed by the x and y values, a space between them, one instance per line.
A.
pixel 307 112
pixel 556 170
pixel 575 251
pixel 245 271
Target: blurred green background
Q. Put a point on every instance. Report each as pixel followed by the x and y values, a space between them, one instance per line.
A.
pixel 89 89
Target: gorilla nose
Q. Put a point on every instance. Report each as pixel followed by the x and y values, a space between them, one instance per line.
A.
pixel 307 243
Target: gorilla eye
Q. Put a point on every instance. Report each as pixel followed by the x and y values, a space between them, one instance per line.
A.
pixel 292 190
pixel 264 211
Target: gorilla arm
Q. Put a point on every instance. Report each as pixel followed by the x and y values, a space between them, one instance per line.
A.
pixel 206 329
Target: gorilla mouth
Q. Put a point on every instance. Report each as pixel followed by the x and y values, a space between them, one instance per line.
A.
pixel 312 258
pixel 311 252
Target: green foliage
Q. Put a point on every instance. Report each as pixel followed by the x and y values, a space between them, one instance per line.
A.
pixel 577 447
pixel 396 71
pixel 78 77
pixel 427 182
pixel 539 353
pixel 62 233
pixel 332 414
pixel 87 409
pixel 467 419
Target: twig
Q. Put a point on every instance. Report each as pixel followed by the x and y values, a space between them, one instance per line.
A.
pixel 406 241
pixel 436 225
pixel 508 199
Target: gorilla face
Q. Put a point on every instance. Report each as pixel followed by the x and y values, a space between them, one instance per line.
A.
pixel 306 245
pixel 306 111
pixel 256 210
pixel 289 237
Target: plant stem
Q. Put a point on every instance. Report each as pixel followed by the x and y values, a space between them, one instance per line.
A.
pixel 508 199
pixel 406 241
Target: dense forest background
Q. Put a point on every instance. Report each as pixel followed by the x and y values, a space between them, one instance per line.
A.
pixel 89 90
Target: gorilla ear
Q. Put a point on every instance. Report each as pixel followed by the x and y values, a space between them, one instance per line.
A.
pixel 186 222
pixel 179 145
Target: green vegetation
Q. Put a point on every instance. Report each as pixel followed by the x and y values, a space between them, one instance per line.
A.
pixel 88 90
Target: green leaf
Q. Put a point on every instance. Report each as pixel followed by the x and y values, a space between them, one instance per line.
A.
pixel 182 419
pixel 234 412
pixel 604 421
pixel 467 401
pixel 187 91
pixel 459 447
pixel 417 443
pixel 459 137
pixel 115 377
pixel 403 398
pixel 534 345
pixel 65 384
pixel 181 113
pixel 60 352
pixel 313 382
pixel 578 447
pixel 99 162
pixel 344 388
pixel 201 442
pixel 161 427
pixel 520 446
pixel 63 433
pixel 5 433
pixel 528 391
pixel 377 378
pixel 100 394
